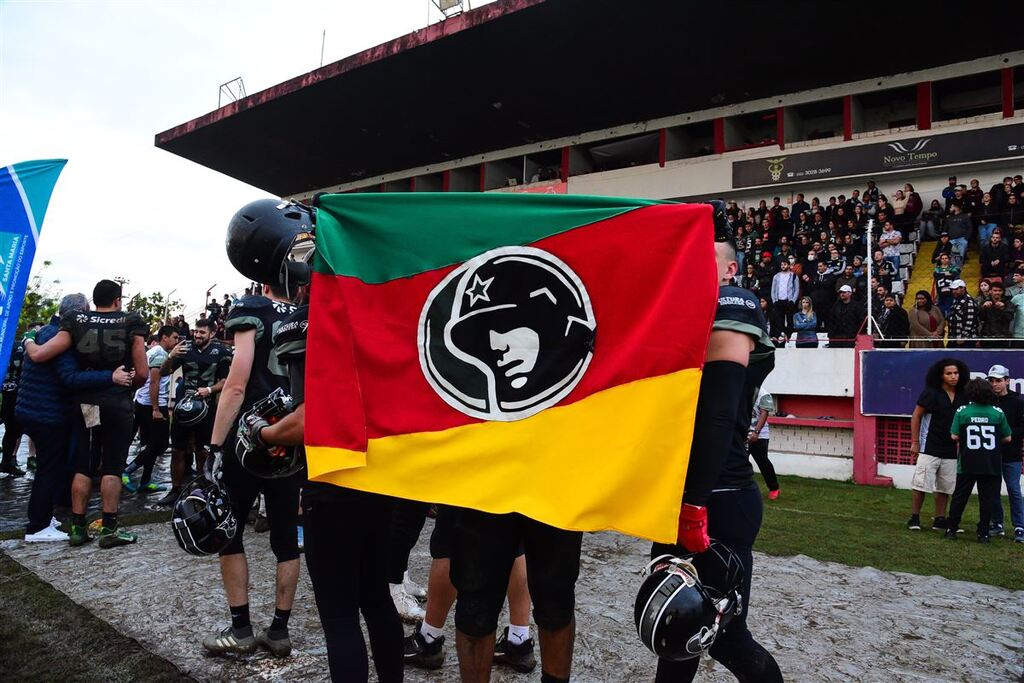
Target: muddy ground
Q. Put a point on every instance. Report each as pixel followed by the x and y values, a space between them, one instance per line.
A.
pixel 823 621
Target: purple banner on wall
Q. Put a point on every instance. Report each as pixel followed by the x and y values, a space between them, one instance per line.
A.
pixel 891 380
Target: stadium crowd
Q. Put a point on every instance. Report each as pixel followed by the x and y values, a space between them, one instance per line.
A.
pixel 808 264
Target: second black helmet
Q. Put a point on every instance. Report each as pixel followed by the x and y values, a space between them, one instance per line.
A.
pixel 270 240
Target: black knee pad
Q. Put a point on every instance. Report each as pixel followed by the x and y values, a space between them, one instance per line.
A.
pixel 285 545
pixel 554 611
pixel 475 616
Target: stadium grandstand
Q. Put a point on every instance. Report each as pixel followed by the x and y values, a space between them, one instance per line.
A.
pixel 691 101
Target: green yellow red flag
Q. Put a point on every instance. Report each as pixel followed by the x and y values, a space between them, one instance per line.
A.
pixel 538 354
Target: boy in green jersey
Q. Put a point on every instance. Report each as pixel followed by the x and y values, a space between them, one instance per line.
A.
pixel 979 428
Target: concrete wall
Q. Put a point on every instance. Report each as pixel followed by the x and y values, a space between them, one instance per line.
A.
pixel 812 372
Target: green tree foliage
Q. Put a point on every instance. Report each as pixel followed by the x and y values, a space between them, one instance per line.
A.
pixel 42 297
pixel 153 307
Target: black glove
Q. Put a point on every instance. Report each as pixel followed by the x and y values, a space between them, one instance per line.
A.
pixel 253 424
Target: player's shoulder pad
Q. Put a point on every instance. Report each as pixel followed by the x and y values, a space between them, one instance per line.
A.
pixel 962 407
pixel 290 339
pixel 72 318
pixel 998 408
pixel 247 304
pixel 739 305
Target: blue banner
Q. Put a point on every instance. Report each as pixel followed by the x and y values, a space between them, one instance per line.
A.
pixel 25 191
pixel 891 380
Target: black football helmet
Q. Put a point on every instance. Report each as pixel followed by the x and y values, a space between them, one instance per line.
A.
pixel 270 241
pixel 190 410
pixel 261 459
pixel 202 520
pixel 684 602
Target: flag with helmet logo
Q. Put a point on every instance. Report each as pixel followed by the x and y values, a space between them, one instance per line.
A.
pixel 536 354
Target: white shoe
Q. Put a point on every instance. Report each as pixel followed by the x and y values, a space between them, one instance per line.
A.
pixel 408 609
pixel 47 535
pixel 54 523
pixel 412 588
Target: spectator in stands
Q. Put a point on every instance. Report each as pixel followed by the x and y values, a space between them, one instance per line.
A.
pixel 1017 185
pixel 1012 405
pixel 213 310
pixel 1013 217
pixel 1016 258
pixel 996 317
pixel 962 318
pixel 944 275
pixel 958 225
pixel 927 323
pixel 785 292
pixel 850 248
pixel 819 223
pixel 749 279
pixel 949 192
pixel 984 293
pixel 899 206
pixel 995 256
pixel 959 200
pixel 820 288
pixel 775 327
pixel 766 272
pixel 870 193
pixel 846 278
pixel 761 212
pixel 931 220
pixel 882 269
pixel 998 192
pixel 878 299
pixel 930 445
pixel 914 204
pixel 776 209
pixel 973 198
pixel 942 246
pixel 800 206
pixel 1017 283
pixel 836 262
pixel 805 322
pixel 815 206
pixel 845 319
pixel 889 241
pixel 857 211
pixel 986 215
pixel 893 324
pixel 226 306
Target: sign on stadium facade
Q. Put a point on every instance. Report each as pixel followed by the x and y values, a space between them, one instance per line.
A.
pixel 997 142
pixel 891 380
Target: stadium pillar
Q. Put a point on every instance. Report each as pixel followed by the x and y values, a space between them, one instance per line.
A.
pixel 565 164
pixel 1008 92
pixel 780 126
pixel 865 465
pixel 924 105
pixel 719 135
pixel 446 181
pixel 848 118
pixel 662 144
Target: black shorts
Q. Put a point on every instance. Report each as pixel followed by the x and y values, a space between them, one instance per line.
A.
pixel 485 545
pixel 112 437
pixel 444 530
pixel 281 496
pixel 184 437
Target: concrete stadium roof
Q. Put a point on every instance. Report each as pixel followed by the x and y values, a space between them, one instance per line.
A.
pixel 517 72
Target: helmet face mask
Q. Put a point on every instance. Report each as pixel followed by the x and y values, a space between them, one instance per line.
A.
pixel 678 612
pixel 267 462
pixel 202 519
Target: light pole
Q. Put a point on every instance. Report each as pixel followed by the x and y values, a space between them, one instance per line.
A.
pixel 207 302
pixel 870 260
pixel 167 304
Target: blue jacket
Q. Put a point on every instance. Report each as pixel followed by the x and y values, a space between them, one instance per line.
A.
pixel 805 326
pixel 44 392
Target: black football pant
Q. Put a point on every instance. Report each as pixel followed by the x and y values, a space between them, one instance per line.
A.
pixel 406 524
pixel 988 493
pixel 734 518
pixel 759 452
pixel 53 471
pixel 346 537
pixel 12 431
pixel 154 435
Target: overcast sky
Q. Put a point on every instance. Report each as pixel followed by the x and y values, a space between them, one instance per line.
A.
pixel 93 82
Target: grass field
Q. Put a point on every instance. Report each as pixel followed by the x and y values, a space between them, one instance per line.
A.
pixel 865 526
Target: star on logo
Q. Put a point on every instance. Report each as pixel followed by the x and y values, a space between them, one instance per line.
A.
pixel 478 290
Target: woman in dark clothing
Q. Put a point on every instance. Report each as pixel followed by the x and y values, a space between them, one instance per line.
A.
pixel 893 324
pixel 775 322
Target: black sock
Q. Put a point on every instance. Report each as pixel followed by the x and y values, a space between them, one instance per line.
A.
pixel 240 617
pixel 77 519
pixel 545 677
pixel 110 520
pixel 280 621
